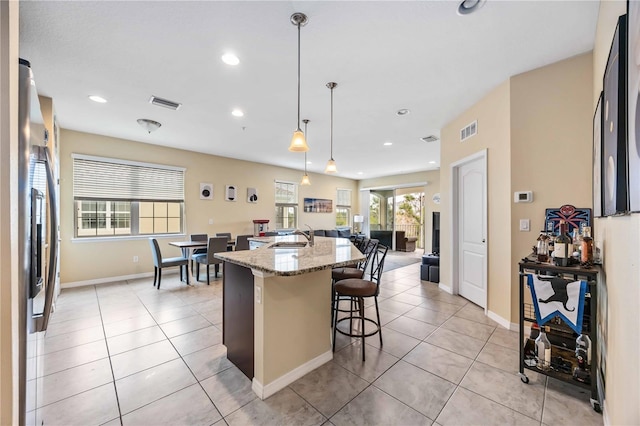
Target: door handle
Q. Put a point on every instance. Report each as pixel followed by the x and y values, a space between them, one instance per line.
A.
pixel 43 321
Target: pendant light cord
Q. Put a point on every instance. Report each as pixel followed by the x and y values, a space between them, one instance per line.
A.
pixel 305 153
pixel 331 127
pixel 299 76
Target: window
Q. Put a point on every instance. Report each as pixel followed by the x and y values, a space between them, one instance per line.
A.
pixel 286 205
pixel 118 197
pixel 343 207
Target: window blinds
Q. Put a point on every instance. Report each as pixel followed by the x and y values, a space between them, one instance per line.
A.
pixel 344 197
pixel 112 179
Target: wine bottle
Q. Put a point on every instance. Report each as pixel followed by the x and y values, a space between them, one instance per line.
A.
pixel 583 343
pixel 586 246
pixel 562 247
pixel 543 351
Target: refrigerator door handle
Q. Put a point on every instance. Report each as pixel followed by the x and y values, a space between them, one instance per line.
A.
pixel 43 321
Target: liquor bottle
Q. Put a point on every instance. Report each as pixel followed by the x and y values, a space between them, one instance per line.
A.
pixel 577 242
pixel 583 344
pixel 562 247
pixel 543 351
pixel 542 247
pixel 586 255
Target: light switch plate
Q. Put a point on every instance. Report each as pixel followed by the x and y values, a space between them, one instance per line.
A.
pixel 524 225
pixel 210 221
pixel 258 294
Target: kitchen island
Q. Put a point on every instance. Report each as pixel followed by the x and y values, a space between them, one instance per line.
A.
pixel 277 307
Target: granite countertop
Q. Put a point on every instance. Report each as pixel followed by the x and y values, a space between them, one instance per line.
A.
pixel 326 253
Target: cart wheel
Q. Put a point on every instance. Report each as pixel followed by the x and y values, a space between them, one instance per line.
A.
pixel 524 379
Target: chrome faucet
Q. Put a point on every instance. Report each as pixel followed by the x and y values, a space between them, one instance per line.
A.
pixel 308 237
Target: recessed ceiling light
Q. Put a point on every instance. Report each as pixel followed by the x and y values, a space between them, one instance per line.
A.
pixel 388 143
pixel 403 111
pixel 432 162
pixel 99 99
pixel 237 113
pixel 360 173
pixel 469 6
pixel 230 59
pixel 309 162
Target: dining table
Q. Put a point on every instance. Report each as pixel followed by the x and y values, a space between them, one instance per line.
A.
pixel 188 247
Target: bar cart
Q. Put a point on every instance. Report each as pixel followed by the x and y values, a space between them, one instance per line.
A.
pixel 561 335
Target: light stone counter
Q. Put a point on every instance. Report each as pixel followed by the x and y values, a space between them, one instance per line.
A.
pixel 326 253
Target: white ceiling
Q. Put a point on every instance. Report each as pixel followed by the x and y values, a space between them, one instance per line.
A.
pixel 384 55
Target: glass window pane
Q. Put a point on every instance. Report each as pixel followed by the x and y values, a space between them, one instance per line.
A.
pixel 146 209
pixel 159 225
pixel 160 209
pixel 174 225
pixel 145 225
pixel 173 210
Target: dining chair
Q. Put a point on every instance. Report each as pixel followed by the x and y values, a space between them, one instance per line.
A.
pixel 215 245
pixel 159 263
pixel 198 237
pixel 229 239
pixel 357 289
pixel 242 242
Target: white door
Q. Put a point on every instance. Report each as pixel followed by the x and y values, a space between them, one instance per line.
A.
pixel 472 251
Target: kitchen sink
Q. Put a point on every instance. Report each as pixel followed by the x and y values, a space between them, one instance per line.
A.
pixel 288 245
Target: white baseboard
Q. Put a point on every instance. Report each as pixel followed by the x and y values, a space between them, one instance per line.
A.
pixel 265 391
pixel 502 321
pixel 605 415
pixel 446 288
pixel 112 279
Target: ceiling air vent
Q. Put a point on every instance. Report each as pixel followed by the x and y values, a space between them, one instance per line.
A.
pixel 165 103
pixel 430 138
pixel 468 131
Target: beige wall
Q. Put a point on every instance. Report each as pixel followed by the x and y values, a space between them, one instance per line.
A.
pixel 432 179
pixel 621 239
pixel 550 130
pixel 9 323
pixel 493 115
pixel 91 260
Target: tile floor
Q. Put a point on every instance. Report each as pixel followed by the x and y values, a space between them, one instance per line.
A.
pixel 126 353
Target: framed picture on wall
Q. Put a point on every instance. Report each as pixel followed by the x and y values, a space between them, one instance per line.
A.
pixel 318 205
pixel 597 159
pixel 633 103
pixel 614 136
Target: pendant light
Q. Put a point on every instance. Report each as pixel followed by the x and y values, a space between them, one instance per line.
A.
pixel 305 179
pixel 298 142
pixel 331 164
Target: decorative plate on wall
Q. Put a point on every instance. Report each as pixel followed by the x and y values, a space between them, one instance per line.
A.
pixel 436 198
pixel 206 191
pixel 230 193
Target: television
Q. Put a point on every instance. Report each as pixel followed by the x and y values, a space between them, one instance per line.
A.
pixel 435 233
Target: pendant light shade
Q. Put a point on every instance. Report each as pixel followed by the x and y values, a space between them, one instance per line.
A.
pixel 331 164
pixel 298 141
pixel 305 179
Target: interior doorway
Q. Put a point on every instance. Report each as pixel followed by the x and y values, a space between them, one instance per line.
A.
pixel 469 228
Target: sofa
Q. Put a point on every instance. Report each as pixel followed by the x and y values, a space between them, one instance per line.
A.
pixel 402 243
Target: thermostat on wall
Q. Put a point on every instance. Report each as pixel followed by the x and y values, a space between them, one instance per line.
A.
pixel 522 197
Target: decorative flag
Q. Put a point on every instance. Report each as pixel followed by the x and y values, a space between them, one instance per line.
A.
pixel 556 296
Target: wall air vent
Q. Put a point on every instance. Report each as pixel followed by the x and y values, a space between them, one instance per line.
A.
pixel 430 138
pixel 165 103
pixel 468 131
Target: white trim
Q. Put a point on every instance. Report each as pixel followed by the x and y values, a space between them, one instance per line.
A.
pixel 112 279
pixel 96 239
pixel 446 288
pixel 261 274
pixel 501 321
pixel 453 229
pixel 605 414
pixel 399 186
pixel 128 162
pixel 265 391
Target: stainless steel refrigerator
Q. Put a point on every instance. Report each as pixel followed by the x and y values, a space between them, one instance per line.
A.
pixel 37 241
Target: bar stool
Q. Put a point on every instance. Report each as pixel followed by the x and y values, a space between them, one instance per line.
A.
pixel 343 273
pixel 356 289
